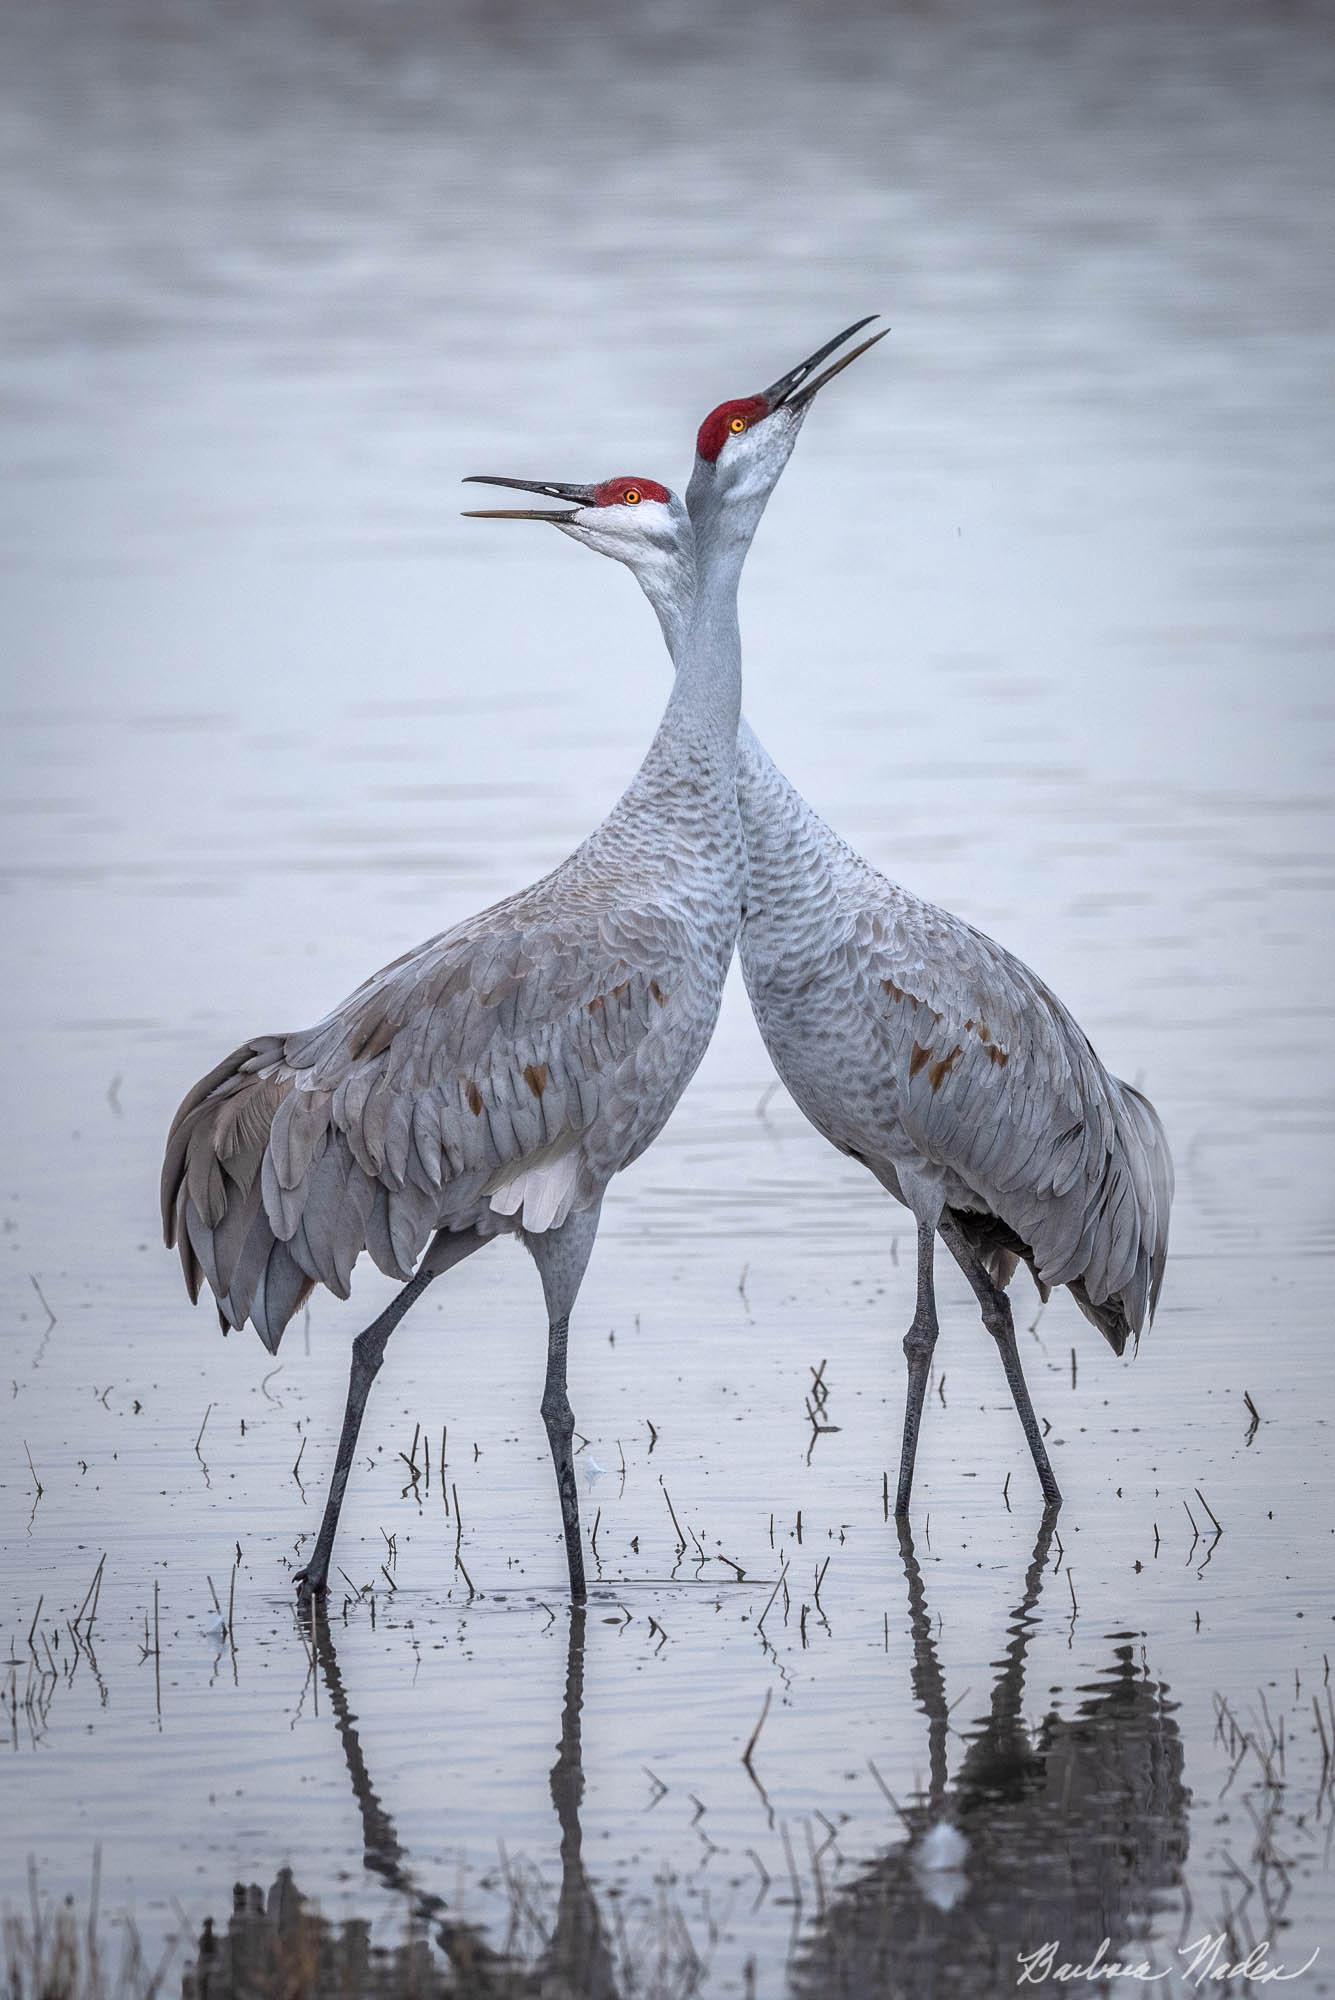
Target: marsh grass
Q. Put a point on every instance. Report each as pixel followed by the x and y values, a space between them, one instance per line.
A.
pixel 276 1945
pixel 53 1953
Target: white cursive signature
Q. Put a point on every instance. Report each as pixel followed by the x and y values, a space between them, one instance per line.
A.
pixel 1205 1960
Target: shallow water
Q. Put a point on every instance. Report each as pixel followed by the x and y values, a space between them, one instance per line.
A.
pixel 1040 617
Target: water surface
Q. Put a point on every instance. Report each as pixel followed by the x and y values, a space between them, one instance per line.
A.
pixel 1040 617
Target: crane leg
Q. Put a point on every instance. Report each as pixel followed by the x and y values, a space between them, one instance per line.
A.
pixel 368 1351
pixel 919 1342
pixel 996 1311
pixel 559 1419
pixel 562 1256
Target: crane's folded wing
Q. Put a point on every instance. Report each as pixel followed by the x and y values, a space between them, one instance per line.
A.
pixel 999 1084
pixel 489 1047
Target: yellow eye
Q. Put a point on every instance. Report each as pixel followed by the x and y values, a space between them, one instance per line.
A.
pixel 738 424
pixel 631 496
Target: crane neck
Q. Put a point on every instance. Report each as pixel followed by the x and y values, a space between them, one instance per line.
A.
pixel 698 616
pixel 704 639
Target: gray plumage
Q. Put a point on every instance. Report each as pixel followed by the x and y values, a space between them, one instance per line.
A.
pixel 918 1045
pixel 549 1037
pixel 496 1078
pixel 563 1023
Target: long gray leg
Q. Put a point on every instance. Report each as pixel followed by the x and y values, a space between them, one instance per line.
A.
pixel 918 1344
pixel 368 1351
pixel 562 1257
pixel 996 1311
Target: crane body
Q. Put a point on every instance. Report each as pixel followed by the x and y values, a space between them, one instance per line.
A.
pixel 495 1079
pixel 921 1048
pixel 918 1046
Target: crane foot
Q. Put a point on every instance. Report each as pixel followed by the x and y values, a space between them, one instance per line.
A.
pixel 310 1583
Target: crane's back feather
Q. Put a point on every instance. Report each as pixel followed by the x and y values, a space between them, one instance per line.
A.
pixel 494 1078
pixel 911 1039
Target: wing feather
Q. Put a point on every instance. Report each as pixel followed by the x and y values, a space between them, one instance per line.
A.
pixel 448 1069
pixel 1000 1086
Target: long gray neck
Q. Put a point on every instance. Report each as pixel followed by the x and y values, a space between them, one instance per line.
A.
pixel 706 699
pixel 700 625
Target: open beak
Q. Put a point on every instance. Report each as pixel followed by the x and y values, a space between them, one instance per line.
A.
pixel 583 496
pixel 795 390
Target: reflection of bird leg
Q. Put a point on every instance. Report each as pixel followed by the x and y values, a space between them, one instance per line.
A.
pixel 568 1770
pixel 382 1852
pixel 1008 1693
pixel 578 1953
pixel 996 1741
pixel 1071 1831
pixel 929 1685
pixel 1001 1760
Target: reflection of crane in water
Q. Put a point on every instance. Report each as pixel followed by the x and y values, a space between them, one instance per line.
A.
pixel 1072 1830
pixel 278 1945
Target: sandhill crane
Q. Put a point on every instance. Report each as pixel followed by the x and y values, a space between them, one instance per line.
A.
pixel 496 1078
pixel 911 1041
pixel 919 1047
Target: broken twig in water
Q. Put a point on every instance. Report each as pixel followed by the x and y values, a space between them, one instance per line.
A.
pixel 681 1539
pixel 91 1596
pixel 889 1794
pixel 458 1538
pixel 773 1594
pixel 50 1316
pixel 755 1733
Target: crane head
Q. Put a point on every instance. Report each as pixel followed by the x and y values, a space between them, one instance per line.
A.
pixel 635 521
pixel 743 445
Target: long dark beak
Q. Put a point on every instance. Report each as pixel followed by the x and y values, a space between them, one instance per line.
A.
pixel 557 489
pixel 795 389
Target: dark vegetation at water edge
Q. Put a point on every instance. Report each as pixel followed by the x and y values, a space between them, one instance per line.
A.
pixel 276 1945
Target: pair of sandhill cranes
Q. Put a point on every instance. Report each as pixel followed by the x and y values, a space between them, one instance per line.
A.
pixel 494 1080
